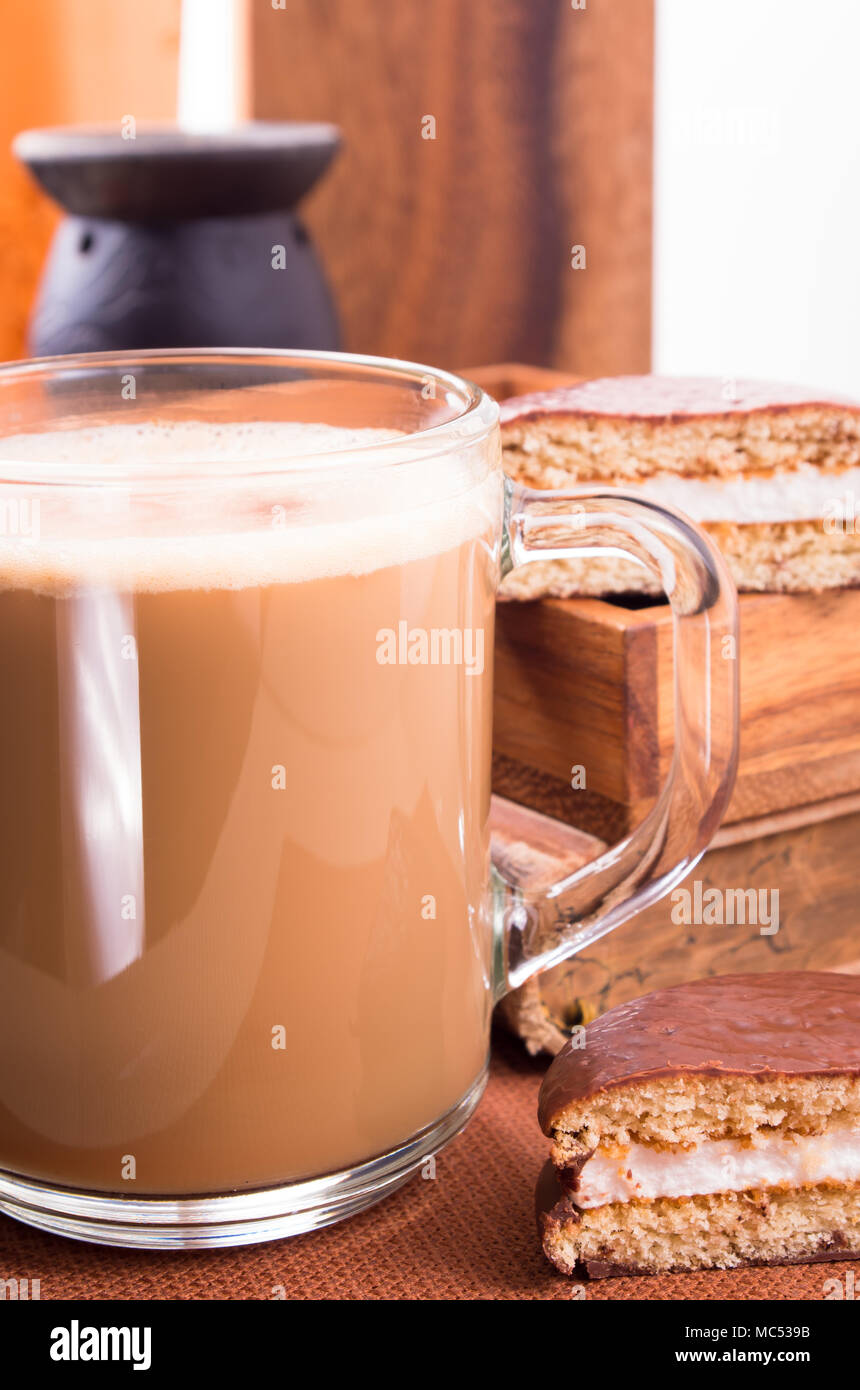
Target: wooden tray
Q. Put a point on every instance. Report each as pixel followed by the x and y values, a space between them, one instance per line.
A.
pixel 814 866
pixel 588 682
pixel 582 681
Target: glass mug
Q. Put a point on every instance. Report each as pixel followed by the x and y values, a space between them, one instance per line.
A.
pixel 250 933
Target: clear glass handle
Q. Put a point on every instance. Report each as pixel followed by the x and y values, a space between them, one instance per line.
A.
pixel 535 932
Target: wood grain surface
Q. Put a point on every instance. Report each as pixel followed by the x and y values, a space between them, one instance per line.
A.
pixel 580 681
pixel 810 874
pixel 457 248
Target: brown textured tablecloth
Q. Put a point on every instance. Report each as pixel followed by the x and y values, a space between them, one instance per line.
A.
pixel 469 1233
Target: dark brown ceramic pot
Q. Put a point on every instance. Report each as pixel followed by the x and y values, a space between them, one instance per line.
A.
pixel 179 240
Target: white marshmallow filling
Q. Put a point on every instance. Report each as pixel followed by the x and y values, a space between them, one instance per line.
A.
pixel 804 493
pixel 771 1159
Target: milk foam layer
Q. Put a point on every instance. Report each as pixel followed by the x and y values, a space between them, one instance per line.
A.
pixel 162 446
pixel 241 520
pixel 720 1165
pixel 803 493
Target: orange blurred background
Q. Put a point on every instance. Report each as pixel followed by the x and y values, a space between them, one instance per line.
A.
pixel 95 61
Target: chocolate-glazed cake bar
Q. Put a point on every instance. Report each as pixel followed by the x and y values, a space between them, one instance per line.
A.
pixel 768 470
pixel 710 1125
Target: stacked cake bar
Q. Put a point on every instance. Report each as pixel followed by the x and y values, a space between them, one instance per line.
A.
pixel 707 1126
pixel 771 472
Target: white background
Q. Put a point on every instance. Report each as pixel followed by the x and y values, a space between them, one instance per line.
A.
pixel 757 195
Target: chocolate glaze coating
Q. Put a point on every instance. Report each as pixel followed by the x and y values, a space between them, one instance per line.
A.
pixel 661 398
pixel 786 1023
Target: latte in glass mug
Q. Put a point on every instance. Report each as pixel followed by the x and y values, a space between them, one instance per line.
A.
pixel 251 933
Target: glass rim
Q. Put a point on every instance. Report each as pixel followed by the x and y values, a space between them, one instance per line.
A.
pixel 472 423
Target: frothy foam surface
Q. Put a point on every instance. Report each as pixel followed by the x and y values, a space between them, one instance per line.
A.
pixel 161 446
pixel 239 530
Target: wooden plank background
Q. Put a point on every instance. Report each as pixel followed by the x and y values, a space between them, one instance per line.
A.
pixel 457 249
